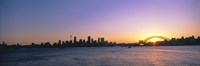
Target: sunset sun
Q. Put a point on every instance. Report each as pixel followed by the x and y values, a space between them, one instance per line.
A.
pixel 155 40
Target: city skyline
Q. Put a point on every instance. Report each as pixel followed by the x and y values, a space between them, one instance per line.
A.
pixel 119 21
pixel 101 42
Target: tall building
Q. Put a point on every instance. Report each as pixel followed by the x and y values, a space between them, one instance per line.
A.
pixel 70 39
pixel 63 42
pixel 89 40
pixel 92 41
pixel 67 42
pixel 70 42
pixel 74 39
pixel 99 41
pixel 59 42
pixel 80 41
pixel 102 40
pixel 95 42
pixel 84 41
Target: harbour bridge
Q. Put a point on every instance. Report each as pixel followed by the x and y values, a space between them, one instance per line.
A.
pixel 151 37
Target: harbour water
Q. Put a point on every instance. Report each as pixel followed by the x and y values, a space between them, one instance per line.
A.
pixel 103 56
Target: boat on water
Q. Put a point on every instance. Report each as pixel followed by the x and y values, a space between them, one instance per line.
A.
pixel 129 46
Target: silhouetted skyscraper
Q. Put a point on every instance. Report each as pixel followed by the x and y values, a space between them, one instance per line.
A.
pixel 74 39
pixel 32 44
pixel 42 44
pixel 59 42
pixel 63 42
pixel 102 40
pixel 67 42
pixel 3 43
pixel 106 42
pixel 80 41
pixel 84 42
pixel 95 42
pixel 17 44
pixel 89 40
pixel 92 41
pixel 70 42
pixel 99 41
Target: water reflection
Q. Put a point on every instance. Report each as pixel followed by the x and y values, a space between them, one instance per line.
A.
pixel 155 57
pixel 104 56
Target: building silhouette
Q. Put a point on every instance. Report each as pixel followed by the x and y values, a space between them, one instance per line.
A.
pixel 99 40
pixel 102 40
pixel 91 42
pixel 74 39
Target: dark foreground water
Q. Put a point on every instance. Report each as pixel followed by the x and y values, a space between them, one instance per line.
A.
pixel 103 56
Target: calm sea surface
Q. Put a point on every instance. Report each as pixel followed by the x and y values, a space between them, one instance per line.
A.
pixel 103 56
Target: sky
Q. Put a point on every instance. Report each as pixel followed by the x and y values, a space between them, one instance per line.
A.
pixel 122 21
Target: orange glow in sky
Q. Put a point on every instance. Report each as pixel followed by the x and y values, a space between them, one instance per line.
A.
pixel 121 21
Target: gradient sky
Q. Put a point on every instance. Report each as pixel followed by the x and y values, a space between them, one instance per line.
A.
pixel 26 21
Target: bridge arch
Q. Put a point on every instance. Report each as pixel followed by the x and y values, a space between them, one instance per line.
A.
pixel 160 37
